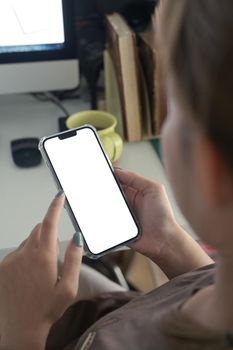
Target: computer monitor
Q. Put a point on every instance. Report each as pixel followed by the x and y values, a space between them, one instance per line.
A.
pixel 37 46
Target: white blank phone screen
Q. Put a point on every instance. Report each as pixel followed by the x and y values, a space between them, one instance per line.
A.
pixel 91 190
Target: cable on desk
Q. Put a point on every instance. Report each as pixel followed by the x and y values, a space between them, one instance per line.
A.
pixel 71 94
pixel 49 96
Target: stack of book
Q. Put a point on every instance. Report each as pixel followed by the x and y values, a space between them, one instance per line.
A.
pixel 133 90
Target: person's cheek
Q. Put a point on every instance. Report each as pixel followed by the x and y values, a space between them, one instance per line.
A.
pixel 167 140
pixel 170 154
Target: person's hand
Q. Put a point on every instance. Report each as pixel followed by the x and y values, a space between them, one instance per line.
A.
pixel 162 239
pixel 151 206
pixel 32 295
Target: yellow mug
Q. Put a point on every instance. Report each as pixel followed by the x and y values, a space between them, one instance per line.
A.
pixel 105 124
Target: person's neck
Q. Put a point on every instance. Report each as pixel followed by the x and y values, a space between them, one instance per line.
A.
pixel 212 307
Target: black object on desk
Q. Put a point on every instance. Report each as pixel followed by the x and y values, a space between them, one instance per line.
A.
pixel 25 152
pixel 62 124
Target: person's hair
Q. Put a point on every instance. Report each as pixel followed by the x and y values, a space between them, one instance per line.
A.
pixel 197 43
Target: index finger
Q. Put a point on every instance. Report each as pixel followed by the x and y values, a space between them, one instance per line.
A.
pixel 48 237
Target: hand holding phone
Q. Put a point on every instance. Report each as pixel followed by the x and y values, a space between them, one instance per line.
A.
pixel 94 199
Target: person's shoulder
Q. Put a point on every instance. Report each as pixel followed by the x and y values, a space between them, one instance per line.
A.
pixel 182 286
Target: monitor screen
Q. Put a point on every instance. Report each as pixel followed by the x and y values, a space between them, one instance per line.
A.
pixel 37 46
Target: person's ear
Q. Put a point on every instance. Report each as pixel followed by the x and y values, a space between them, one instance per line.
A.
pixel 214 176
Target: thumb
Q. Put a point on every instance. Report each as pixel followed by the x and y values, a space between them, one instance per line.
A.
pixel 136 182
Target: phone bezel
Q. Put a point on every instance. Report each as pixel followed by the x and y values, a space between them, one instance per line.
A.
pixel 73 133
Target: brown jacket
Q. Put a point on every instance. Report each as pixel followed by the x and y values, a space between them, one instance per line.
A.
pixel 132 321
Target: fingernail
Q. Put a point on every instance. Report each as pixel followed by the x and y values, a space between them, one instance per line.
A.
pixel 117 168
pixel 78 239
pixel 59 194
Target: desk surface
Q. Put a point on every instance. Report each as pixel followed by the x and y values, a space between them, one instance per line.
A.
pixel 26 193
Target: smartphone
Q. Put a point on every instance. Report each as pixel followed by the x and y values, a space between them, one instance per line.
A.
pixel 94 198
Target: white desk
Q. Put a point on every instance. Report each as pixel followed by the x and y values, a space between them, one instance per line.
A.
pixel 26 193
